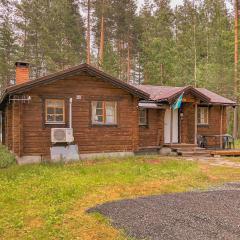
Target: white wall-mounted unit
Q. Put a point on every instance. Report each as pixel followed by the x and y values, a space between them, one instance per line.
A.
pixel 62 135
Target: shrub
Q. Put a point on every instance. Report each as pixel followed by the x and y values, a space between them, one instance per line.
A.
pixel 6 158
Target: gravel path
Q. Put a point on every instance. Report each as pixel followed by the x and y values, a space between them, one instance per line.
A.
pixel 194 215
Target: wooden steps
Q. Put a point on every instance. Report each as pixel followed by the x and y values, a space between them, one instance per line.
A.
pixel 189 150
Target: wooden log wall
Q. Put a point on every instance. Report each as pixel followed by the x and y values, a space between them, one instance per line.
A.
pixel 153 133
pixel 35 137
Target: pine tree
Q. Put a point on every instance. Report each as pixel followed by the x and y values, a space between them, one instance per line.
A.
pixel 52 34
pixel 157 43
pixel 8 44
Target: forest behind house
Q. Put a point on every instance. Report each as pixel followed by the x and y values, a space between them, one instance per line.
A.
pixel 191 44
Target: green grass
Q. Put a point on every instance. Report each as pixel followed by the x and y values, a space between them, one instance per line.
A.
pixel 6 158
pixel 237 144
pixel 49 201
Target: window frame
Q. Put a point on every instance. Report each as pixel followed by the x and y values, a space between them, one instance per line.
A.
pixel 46 111
pixel 146 117
pixel 205 109
pixel 104 113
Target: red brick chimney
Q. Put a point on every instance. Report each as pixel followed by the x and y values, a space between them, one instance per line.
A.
pixel 22 72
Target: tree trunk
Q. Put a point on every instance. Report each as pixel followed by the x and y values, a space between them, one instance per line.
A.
pixel 129 62
pixel 194 46
pixel 88 34
pixel 235 124
pixel 101 49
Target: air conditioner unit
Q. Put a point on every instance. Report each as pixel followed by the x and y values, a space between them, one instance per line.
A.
pixel 62 135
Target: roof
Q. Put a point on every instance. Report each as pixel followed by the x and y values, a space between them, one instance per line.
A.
pixel 215 98
pixel 166 93
pixel 20 88
pixel 146 92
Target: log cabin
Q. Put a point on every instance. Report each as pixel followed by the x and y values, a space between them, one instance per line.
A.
pixel 83 112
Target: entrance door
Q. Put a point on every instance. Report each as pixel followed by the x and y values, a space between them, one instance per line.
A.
pixel 167 126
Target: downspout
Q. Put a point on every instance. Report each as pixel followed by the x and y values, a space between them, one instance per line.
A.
pixel 70 112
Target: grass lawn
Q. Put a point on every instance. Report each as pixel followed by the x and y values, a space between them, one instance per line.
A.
pixel 49 201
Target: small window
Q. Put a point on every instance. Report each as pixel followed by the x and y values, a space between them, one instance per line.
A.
pixel 202 115
pixel 143 117
pixel 54 111
pixel 104 113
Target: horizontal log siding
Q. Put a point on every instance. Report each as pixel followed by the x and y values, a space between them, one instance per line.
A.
pixel 90 139
pixel 213 128
pixel 149 134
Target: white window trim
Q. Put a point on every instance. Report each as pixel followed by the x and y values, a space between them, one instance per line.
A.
pixel 146 118
pixel 54 122
pixel 201 109
pixel 104 114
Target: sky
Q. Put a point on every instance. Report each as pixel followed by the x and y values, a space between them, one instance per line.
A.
pixel 173 2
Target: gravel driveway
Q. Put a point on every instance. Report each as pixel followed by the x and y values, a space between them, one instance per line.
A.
pixel 194 215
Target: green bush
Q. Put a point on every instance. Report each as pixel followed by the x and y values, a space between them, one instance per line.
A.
pixel 6 158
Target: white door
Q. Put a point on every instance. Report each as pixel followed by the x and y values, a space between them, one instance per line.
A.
pixel 167 126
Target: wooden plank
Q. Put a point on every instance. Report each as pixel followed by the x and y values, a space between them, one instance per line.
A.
pixel 226 152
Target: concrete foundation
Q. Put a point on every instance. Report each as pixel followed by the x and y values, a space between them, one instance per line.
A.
pixel 29 160
pixel 38 159
pixel 109 154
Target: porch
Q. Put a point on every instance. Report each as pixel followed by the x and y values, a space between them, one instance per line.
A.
pixel 195 129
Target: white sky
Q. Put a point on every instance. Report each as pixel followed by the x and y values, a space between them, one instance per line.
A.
pixel 173 2
pixel 177 2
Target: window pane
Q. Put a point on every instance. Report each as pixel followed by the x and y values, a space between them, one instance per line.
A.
pixel 59 118
pixel 110 120
pixel 50 118
pixel 142 116
pixel 99 104
pixel 59 103
pixel 111 112
pixel 99 111
pixel 99 119
pixel 59 110
pixel 50 110
pixel 110 108
pixel 202 115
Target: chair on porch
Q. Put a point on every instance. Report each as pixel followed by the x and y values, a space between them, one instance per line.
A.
pixel 202 141
pixel 228 141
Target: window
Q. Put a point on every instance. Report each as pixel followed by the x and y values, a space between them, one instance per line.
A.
pixel 104 112
pixel 143 117
pixel 54 111
pixel 202 115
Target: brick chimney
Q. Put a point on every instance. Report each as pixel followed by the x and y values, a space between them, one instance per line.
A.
pixel 22 72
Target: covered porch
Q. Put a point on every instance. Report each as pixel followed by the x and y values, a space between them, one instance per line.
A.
pixel 196 125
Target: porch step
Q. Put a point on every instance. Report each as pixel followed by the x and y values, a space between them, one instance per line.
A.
pixel 187 150
pixel 181 145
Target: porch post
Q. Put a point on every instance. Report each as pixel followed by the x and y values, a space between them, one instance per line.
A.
pixel 221 126
pixel 195 125
pixel 171 127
